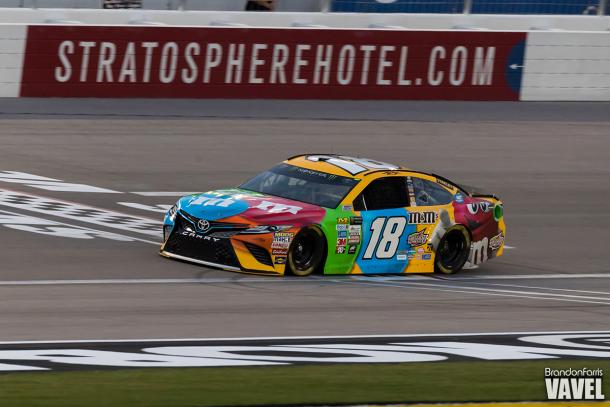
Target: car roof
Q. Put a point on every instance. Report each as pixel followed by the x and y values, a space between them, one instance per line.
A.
pixel 337 163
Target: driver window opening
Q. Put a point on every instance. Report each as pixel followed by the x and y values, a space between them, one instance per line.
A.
pixel 383 193
pixel 428 193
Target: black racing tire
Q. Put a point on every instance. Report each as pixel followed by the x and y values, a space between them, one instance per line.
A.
pixel 307 252
pixel 453 250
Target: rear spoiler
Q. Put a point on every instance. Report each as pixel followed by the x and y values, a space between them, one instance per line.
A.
pixel 477 192
pixel 467 189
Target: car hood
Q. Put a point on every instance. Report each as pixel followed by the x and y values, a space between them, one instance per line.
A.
pixel 250 207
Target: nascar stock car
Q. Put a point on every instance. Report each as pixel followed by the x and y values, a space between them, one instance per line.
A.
pixel 335 214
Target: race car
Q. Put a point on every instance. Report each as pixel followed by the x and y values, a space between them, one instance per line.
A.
pixel 335 214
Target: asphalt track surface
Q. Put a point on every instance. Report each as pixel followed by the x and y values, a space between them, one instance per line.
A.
pixel 550 163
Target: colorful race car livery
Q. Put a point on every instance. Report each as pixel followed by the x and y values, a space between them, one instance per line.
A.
pixel 335 214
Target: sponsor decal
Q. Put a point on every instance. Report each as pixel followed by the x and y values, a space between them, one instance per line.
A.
pixel 342 242
pixel 205 200
pixel 342 233
pixel 405 254
pixel 458 197
pixel 444 183
pixel 340 250
pixel 279 252
pixel 426 256
pixel 347 208
pixel 280 260
pixel 423 218
pixel 355 220
pixel 341 227
pixel 343 221
pixel 354 234
pixel 281 240
pixel 272 207
pixel 574 384
pixel 214 205
pixel 418 238
pixel 352 249
pixel 202 62
pixel 496 241
pixel 478 251
pixel 315 173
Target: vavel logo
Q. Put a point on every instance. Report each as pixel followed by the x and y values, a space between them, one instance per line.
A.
pixel 574 384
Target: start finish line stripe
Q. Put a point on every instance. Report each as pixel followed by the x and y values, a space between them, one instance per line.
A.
pixel 80 212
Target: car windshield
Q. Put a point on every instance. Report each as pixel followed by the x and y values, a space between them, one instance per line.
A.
pixel 302 184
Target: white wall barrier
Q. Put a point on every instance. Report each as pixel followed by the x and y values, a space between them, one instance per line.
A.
pixel 12 48
pixel 149 61
pixel 567 66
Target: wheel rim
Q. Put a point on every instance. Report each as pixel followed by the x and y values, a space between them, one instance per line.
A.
pixel 303 252
pixel 452 253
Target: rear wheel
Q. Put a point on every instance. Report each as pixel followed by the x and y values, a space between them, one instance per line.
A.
pixel 453 250
pixel 306 252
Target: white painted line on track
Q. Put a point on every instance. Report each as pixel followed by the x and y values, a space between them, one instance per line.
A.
pixel 157 281
pixel 267 279
pixel 490 292
pixel 103 281
pixel 535 293
pixel 528 276
pixel 161 193
pixel 546 288
pixel 268 338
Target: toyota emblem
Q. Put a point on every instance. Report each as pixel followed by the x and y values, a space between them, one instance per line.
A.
pixel 203 225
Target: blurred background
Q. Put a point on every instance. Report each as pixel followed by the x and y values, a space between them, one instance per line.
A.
pixel 573 7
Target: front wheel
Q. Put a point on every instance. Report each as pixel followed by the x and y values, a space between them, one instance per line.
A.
pixel 306 253
pixel 453 250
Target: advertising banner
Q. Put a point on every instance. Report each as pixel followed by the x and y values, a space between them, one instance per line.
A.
pixel 291 63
